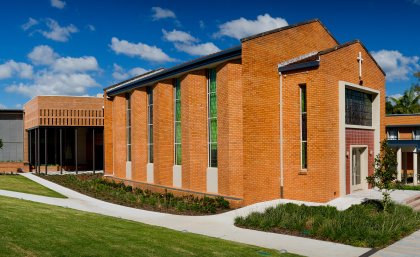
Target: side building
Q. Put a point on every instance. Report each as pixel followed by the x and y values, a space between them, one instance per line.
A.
pixel 403 133
pixel 64 133
pixel 11 134
pixel 289 113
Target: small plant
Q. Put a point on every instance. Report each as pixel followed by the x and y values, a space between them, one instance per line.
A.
pixel 1 143
pixel 385 173
pixel 119 193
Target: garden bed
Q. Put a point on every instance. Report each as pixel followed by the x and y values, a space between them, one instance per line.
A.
pixel 118 193
pixel 364 225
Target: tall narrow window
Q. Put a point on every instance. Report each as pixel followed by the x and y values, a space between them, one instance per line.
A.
pixel 128 125
pixel 150 124
pixel 177 125
pixel 212 117
pixel 303 127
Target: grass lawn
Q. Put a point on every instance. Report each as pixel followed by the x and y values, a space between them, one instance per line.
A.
pixel 364 225
pixel 35 229
pixel 21 184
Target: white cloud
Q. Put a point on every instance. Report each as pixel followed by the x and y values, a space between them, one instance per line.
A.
pixel 43 55
pixel 58 33
pixel 2 106
pixel 91 27
pixel 12 68
pixel 396 65
pixel 58 4
pixel 120 74
pixel 396 96
pixel 161 13
pixel 31 22
pixel 55 75
pixel 71 64
pixel 151 53
pixel 415 2
pixel 178 36
pixel 197 49
pixel 49 83
pixel 242 27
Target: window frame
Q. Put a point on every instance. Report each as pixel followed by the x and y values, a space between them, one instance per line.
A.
pixel 210 143
pixel 177 87
pixel 150 146
pixel 128 126
pixel 303 110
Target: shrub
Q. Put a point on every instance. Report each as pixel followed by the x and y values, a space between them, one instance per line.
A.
pixel 119 193
pixel 364 225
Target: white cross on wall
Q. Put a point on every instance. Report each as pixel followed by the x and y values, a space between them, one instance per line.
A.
pixel 360 60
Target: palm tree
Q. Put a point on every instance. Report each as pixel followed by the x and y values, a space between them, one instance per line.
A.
pixel 408 103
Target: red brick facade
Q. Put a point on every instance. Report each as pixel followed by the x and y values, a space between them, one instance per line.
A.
pixel 248 113
pixel 359 137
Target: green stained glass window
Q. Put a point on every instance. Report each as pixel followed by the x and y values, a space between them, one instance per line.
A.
pixel 303 127
pixel 150 124
pixel 212 117
pixel 177 123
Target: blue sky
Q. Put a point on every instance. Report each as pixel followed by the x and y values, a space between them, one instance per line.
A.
pixel 71 47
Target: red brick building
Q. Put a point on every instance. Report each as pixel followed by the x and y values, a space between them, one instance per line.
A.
pixel 63 133
pixel 290 113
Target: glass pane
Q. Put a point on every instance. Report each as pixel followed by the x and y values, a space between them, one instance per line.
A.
pixel 303 98
pixel 129 153
pixel 150 153
pixel 150 134
pixel 358 108
pixel 128 118
pixel 178 111
pixel 150 95
pixel 212 81
pixel 304 127
pixel 304 155
pixel 213 131
pixel 178 132
pixel 213 105
pixel 151 114
pixel 178 90
pixel 213 155
pixel 178 154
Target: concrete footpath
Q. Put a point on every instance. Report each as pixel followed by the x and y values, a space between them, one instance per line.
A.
pixel 219 226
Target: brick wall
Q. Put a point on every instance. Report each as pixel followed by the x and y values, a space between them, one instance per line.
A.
pixel 230 129
pixel 139 134
pixel 358 137
pixel 108 137
pixel 194 130
pixel 260 57
pixel 402 120
pixel 119 135
pixel 163 125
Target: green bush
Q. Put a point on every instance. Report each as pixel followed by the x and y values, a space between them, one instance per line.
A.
pixel 364 225
pixel 119 193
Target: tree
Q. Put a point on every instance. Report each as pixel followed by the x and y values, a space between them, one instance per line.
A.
pixel 408 103
pixel 389 107
pixel 385 173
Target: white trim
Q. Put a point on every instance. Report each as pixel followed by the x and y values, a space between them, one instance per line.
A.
pixel 364 168
pixel 376 116
pixel 212 180
pixel 128 170
pixel 177 176
pixel 150 173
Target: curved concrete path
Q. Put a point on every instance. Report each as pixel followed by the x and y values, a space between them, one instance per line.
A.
pixel 219 226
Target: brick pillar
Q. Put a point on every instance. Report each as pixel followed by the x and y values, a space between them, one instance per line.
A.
pixel 229 121
pixel 194 130
pixel 119 140
pixel 163 125
pixel 139 134
pixel 108 137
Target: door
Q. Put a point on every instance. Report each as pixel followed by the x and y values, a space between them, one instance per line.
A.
pixel 358 169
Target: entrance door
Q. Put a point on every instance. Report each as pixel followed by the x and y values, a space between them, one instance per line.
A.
pixel 358 169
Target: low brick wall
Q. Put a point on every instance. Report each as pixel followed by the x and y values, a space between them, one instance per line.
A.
pixel 234 202
pixel 6 167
